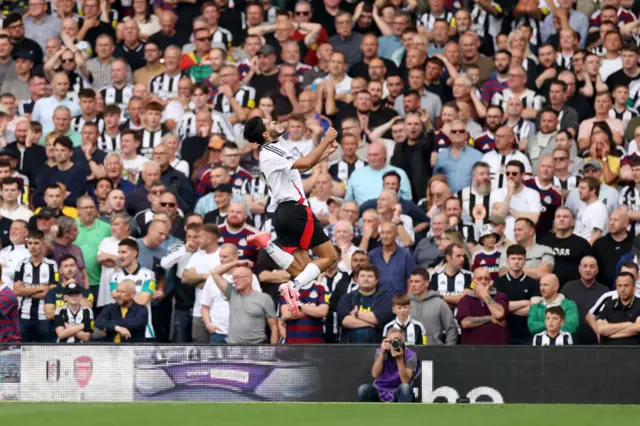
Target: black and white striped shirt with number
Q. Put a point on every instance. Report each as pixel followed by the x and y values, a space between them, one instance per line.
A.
pixel 543 339
pixel 630 198
pixel 120 97
pixel 78 122
pixel 64 315
pixel 165 86
pixel 46 273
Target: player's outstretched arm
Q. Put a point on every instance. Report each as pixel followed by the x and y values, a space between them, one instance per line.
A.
pixel 322 151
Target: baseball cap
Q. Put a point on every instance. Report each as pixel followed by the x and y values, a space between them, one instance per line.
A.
pixel 24 54
pixel 224 187
pixel 267 49
pixel 73 288
pixel 10 153
pixel 497 220
pixel 47 213
pixel 593 163
pixel 216 142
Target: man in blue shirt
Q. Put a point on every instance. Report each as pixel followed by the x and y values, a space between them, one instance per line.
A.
pixel 390 43
pixel 365 183
pixel 457 161
pixel 394 263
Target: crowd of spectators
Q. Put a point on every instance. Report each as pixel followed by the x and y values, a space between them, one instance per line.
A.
pixel 486 189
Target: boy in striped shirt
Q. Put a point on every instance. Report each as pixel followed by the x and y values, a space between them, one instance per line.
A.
pixel 552 335
pixel 414 330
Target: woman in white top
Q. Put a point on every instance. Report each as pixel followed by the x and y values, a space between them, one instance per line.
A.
pixel 148 23
pixel 173 143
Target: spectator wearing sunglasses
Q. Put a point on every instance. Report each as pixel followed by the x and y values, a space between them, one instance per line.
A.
pixel 456 161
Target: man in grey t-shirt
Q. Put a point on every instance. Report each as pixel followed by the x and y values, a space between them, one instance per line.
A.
pixel 540 260
pixel 249 310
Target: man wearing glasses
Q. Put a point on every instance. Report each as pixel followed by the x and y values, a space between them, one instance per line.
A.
pixel 456 161
pixel 515 201
pixel 15 27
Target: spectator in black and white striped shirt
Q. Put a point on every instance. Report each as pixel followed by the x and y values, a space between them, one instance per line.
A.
pixel 73 323
pixel 553 336
pixel 119 92
pixel 233 98
pixel 165 85
pixel 34 277
pixel 414 330
pixel 89 114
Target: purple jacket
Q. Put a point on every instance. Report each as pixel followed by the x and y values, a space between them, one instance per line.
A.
pixel 389 380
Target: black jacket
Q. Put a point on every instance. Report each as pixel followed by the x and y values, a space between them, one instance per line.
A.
pixel 135 321
pixel 178 183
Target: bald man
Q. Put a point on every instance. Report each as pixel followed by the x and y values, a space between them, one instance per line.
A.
pixel 481 314
pixel 549 287
pixel 124 321
pixel 585 292
pixel 366 182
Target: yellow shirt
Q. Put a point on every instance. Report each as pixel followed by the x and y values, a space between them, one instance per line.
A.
pixel 613 162
pixel 123 312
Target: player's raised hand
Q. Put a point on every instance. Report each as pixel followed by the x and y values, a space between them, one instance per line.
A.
pixel 331 134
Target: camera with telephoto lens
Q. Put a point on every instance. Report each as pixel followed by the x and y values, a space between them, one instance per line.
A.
pixel 397 344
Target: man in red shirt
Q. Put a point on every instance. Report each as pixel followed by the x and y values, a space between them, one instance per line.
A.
pixel 481 313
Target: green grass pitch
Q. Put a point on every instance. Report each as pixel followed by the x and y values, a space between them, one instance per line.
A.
pixel 312 414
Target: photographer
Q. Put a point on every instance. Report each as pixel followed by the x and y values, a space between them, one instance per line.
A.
pixel 394 369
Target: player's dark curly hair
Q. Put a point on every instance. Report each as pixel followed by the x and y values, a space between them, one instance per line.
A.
pixel 254 130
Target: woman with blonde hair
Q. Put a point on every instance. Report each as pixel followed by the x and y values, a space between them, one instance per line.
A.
pixel 437 193
pixel 518 41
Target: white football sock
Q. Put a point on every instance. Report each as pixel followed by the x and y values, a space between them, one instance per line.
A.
pixel 281 257
pixel 310 273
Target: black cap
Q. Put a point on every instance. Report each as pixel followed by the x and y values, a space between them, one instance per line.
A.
pixel 47 213
pixel 24 54
pixel 10 153
pixel 224 187
pixel 73 288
